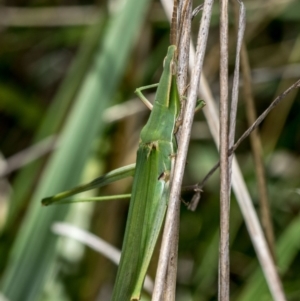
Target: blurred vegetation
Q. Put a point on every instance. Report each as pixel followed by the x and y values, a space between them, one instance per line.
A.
pixel 60 79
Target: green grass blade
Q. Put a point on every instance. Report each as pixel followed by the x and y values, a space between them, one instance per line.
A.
pixel 287 249
pixel 34 249
pixel 54 118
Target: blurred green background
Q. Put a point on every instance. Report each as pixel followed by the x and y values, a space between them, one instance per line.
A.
pixel 68 71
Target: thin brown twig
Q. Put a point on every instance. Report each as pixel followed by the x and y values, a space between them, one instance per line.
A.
pixel 258 121
pixel 265 113
pixel 277 119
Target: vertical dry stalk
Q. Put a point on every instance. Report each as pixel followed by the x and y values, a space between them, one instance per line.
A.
pixel 182 152
pixel 224 171
pixel 240 20
pixel 183 39
pixel 256 148
pixel 184 46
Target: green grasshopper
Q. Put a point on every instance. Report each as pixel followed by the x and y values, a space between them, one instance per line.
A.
pixel 151 184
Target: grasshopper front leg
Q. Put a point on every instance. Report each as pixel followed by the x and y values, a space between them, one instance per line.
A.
pixel 139 93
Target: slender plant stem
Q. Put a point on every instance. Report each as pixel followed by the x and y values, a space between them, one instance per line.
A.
pixel 182 150
pixel 241 17
pixel 224 171
pixel 183 42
